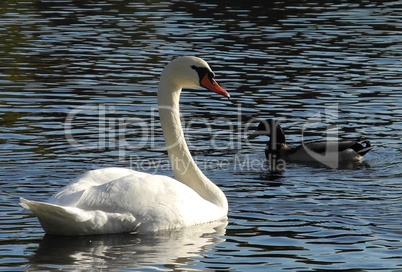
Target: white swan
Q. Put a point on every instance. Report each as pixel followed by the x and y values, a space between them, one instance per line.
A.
pixel 116 200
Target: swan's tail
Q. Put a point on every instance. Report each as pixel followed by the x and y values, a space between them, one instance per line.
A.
pixel 59 220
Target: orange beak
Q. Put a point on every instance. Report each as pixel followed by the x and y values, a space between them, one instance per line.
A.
pixel 212 85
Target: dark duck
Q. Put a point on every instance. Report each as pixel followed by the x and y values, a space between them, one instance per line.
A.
pixel 329 152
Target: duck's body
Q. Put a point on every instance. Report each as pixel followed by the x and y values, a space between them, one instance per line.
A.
pixel 116 200
pixel 342 151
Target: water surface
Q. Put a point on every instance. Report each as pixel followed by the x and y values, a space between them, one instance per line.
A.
pixel 78 92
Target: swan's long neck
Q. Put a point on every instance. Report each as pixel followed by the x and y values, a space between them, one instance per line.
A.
pixel 183 165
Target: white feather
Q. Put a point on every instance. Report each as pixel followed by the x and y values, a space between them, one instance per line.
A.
pixel 115 200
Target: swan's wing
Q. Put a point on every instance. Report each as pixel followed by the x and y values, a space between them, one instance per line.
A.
pixel 93 205
pixel 59 220
pixel 155 201
pixel 71 193
pixel 132 192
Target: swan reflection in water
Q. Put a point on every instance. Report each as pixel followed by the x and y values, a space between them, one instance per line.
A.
pixel 176 248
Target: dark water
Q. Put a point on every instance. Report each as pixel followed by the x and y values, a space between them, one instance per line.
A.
pixel 78 83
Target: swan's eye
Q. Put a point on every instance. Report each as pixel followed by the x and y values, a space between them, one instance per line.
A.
pixel 202 71
pixel 211 76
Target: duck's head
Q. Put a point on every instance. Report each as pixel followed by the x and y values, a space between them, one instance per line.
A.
pixel 272 128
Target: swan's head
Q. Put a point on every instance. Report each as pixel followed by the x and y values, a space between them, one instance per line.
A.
pixel 269 127
pixel 191 72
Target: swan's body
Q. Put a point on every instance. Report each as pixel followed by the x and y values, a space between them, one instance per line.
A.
pixel 327 152
pixel 115 200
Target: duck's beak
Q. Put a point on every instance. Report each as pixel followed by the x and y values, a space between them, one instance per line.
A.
pixel 212 85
